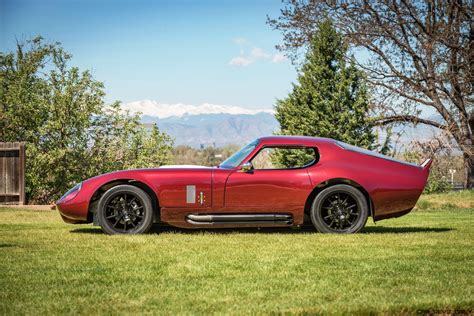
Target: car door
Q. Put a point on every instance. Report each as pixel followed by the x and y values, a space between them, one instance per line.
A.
pixel 270 187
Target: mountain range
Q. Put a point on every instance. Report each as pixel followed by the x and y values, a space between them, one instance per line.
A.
pixel 218 125
pixel 215 129
pixel 206 124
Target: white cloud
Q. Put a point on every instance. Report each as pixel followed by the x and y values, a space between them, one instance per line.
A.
pixel 240 41
pixel 259 53
pixel 240 61
pixel 278 58
pixel 154 108
pixel 255 54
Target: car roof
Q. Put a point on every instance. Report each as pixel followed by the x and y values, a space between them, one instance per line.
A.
pixel 295 140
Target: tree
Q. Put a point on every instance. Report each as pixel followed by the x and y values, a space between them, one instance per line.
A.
pixel 421 57
pixel 71 134
pixel 119 141
pixel 330 98
pixel 150 148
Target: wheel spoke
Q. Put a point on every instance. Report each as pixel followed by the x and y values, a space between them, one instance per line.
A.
pixel 118 220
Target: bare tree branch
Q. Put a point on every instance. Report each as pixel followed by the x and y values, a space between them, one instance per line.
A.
pixel 409 119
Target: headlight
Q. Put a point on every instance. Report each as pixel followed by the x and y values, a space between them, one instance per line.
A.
pixel 69 195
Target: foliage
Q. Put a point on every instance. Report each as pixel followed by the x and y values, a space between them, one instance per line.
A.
pixel 70 133
pixel 330 98
pixel 419 261
pixel 437 184
pixel 386 148
pixel 291 158
pixel 209 156
pixel 419 58
pixel 125 144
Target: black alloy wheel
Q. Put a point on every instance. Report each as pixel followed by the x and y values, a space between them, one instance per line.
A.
pixel 339 209
pixel 125 209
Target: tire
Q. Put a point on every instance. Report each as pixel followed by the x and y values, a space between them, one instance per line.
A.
pixel 125 209
pixel 339 209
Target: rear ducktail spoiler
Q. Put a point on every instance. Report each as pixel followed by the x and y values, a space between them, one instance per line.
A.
pixel 426 164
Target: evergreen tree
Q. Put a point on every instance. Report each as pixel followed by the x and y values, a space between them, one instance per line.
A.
pixel 330 98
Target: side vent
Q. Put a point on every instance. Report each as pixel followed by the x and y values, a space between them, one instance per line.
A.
pixel 191 194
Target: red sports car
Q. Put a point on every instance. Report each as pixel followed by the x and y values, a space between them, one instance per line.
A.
pixel 273 181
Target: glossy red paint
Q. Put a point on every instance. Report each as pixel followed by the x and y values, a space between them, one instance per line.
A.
pixel 392 187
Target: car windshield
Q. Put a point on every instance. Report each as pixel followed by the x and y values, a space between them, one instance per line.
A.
pixel 235 160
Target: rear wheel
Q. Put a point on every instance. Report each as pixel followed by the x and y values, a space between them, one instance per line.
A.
pixel 339 209
pixel 125 209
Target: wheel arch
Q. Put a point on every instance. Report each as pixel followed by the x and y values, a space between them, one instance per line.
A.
pixel 331 182
pixel 94 201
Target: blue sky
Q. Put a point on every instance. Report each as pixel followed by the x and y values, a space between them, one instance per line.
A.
pixel 220 52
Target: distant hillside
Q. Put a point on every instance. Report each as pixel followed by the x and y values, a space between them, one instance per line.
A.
pixel 215 129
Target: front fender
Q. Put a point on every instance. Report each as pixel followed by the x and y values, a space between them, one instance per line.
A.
pixel 76 210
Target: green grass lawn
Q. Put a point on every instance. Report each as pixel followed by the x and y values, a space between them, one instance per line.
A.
pixel 424 260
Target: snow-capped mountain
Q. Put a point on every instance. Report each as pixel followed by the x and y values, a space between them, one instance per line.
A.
pixel 161 110
pixel 215 129
pixel 206 124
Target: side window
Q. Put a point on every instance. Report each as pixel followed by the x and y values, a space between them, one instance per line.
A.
pixel 284 157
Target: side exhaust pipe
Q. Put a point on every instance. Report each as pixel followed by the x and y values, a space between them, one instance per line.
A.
pixel 240 219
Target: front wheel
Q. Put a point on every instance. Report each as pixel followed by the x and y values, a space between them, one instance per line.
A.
pixel 125 209
pixel 339 209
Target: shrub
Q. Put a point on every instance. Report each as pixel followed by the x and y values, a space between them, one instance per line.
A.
pixel 437 184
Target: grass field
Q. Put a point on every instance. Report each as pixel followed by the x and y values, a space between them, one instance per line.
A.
pixel 424 260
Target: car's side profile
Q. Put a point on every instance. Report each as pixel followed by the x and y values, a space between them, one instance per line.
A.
pixel 273 181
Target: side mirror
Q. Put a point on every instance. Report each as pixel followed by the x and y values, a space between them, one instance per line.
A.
pixel 246 167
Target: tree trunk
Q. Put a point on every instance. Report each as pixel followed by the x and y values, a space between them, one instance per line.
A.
pixel 469 170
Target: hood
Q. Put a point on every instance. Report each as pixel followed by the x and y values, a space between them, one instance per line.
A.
pixel 183 167
pixel 125 173
pixel 147 172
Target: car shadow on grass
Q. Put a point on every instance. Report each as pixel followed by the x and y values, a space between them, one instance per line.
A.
pixel 404 230
pixel 307 229
pixel 8 245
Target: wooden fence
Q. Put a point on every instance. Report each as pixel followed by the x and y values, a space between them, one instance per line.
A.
pixel 12 173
